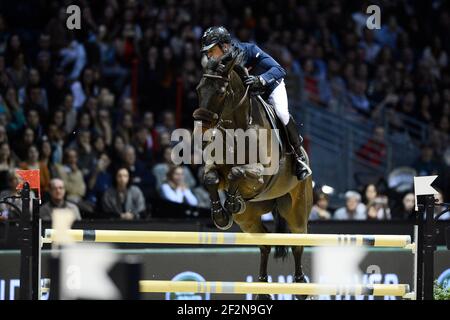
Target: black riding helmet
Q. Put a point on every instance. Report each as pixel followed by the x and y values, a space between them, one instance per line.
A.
pixel 213 36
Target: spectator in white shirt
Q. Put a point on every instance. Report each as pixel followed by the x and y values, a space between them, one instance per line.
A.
pixel 175 188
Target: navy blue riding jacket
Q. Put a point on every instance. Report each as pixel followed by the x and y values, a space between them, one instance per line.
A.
pixel 261 64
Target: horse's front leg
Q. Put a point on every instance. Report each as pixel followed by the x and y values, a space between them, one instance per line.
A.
pixel 264 259
pixel 221 218
pixel 299 276
pixel 234 202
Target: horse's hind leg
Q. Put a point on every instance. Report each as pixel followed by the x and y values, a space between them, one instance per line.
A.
pixel 250 222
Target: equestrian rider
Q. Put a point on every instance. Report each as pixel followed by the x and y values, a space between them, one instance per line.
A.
pixel 267 80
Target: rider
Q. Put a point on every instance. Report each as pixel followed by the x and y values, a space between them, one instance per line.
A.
pixel 267 80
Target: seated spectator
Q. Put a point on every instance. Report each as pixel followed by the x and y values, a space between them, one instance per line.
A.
pixel 374 150
pixel 72 176
pixel 142 145
pixel 353 210
pixel 123 200
pixel 55 137
pixel 100 179
pixel 369 193
pixel 32 163
pixel 160 170
pixel 319 211
pixel 426 165
pixel 406 211
pixel 86 155
pixel 175 188
pixel 152 135
pixel 378 209
pixel 6 163
pixel 57 201
pixel 438 209
pixel 167 124
pixel 21 148
pixel 46 156
pixel 34 122
pixel 140 174
pixel 7 211
pixel 125 127
pixel 200 192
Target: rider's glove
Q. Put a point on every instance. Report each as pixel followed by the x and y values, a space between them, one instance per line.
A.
pixel 256 83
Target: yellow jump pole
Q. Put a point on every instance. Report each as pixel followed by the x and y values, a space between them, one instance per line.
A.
pixel 228 238
pixel 149 286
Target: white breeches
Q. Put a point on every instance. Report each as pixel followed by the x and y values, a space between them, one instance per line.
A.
pixel 278 98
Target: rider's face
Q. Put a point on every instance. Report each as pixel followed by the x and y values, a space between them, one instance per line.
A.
pixel 215 52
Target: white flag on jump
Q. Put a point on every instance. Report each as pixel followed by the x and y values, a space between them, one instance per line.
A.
pixel 422 187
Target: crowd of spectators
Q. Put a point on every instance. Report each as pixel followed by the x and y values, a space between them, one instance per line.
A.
pixel 94 108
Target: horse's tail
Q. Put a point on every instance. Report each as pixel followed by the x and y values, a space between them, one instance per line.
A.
pixel 280 227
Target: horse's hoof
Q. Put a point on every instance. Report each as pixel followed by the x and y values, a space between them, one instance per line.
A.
pixel 222 220
pixel 235 205
pixel 301 279
pixel 263 297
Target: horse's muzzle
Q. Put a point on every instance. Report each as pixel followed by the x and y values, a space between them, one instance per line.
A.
pixel 208 118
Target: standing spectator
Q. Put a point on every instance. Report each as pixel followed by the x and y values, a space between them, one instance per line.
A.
pixel 57 201
pixel 319 211
pixel 353 209
pixel 72 176
pixel 123 200
pixel 175 188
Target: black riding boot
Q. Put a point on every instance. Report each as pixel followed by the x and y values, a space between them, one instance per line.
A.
pixel 296 143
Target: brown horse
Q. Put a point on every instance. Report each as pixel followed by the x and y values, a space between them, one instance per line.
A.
pixel 224 103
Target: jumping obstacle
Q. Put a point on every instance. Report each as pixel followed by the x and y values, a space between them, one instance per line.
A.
pixel 153 286
pixel 228 238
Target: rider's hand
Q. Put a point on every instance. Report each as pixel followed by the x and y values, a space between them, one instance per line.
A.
pixel 254 82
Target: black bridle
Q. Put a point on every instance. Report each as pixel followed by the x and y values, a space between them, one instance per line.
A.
pixel 219 118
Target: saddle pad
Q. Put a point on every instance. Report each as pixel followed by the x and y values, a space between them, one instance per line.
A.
pixel 272 119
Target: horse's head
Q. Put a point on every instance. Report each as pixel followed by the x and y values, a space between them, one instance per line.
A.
pixel 214 87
